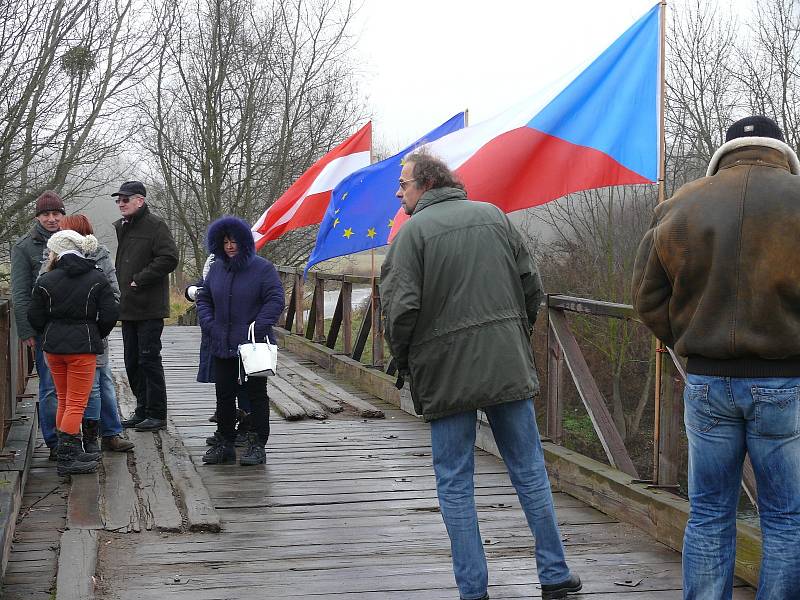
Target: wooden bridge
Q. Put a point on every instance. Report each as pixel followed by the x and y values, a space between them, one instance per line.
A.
pixel 345 507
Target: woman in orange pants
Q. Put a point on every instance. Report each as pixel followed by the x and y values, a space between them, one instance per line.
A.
pixel 73 309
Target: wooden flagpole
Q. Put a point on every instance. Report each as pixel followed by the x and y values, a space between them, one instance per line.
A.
pixel 660 349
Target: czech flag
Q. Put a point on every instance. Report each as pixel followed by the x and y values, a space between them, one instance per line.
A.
pixel 600 129
pixel 306 200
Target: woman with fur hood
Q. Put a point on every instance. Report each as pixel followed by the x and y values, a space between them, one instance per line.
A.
pixel 240 288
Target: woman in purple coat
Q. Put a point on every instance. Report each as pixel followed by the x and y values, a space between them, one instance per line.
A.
pixel 241 288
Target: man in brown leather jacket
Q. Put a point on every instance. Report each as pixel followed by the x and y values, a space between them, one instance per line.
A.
pixel 718 279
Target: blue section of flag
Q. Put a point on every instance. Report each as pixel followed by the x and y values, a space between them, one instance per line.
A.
pixel 363 205
pixel 613 105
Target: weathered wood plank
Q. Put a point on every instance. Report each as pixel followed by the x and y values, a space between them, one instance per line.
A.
pixel 287 408
pixel 76 564
pixel 83 508
pixel 200 512
pixel 157 500
pixel 121 508
pixel 312 408
pixel 364 408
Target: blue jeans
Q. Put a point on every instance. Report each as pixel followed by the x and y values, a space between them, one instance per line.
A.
pixel 727 417
pixel 48 401
pixel 453 448
pixel 103 402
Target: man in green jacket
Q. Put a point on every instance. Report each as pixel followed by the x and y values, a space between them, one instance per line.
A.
pixel 460 293
pixel 27 255
pixel 146 255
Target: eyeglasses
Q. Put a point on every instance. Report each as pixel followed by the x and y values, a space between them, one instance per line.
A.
pixel 404 183
pixel 122 200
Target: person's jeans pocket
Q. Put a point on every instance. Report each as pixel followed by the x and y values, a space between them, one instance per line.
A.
pixel 697 410
pixel 777 411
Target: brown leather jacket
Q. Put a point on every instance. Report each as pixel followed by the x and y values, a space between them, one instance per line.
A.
pixel 717 275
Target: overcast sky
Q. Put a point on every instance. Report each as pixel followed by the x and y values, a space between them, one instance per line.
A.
pixel 424 60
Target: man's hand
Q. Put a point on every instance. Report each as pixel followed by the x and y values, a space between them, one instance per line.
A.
pixel 30 342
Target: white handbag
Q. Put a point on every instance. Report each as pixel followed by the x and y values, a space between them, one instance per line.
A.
pixel 258 359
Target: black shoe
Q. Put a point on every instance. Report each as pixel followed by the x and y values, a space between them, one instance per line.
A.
pixel 484 597
pixel 213 418
pixel 53 454
pixel 220 454
pixel 560 590
pixel 90 429
pixel 215 440
pixel 132 421
pixel 255 454
pixel 151 424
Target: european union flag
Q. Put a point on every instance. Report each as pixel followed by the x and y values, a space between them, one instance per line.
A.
pixel 362 207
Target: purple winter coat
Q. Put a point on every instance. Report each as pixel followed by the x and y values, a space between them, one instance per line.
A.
pixel 237 291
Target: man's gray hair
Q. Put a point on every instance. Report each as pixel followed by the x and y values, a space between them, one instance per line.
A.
pixel 430 172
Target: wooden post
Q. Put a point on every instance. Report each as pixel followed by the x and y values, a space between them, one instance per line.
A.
pixel 298 304
pixel 665 468
pixel 363 334
pixel 347 317
pixel 336 322
pixel 377 327
pixel 7 367
pixel 319 304
pixel 555 388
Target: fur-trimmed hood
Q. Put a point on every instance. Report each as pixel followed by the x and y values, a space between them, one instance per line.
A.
pixel 736 143
pixel 238 230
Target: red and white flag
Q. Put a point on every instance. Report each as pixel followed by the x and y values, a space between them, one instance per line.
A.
pixel 306 200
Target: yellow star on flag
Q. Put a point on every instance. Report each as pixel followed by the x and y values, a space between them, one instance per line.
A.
pixel 336 212
pixel 345 195
pixel 336 222
pixel 371 232
pixel 348 232
pixel 391 223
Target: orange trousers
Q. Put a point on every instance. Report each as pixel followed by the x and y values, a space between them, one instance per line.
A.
pixel 73 375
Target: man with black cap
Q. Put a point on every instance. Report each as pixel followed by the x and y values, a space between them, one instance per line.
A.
pixel 27 255
pixel 146 255
pixel 717 278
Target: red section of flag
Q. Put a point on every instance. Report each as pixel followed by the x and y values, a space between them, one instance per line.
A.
pixel 524 167
pixel 304 203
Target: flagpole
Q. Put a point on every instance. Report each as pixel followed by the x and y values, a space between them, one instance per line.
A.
pixel 660 349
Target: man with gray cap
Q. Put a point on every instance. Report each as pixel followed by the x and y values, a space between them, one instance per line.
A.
pixel 27 255
pixel 146 255
pixel 717 279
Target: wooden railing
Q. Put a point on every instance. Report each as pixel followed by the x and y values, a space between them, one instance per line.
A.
pixel 14 368
pixel 563 352
pixel 341 323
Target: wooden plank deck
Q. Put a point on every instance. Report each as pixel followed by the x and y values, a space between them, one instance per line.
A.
pixel 344 509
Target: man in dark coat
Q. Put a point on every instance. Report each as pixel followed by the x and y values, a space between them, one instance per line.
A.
pixel 460 293
pixel 717 278
pixel 146 255
pixel 27 256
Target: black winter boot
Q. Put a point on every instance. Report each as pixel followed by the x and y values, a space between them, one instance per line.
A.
pixel 222 453
pixel 254 454
pixel 69 453
pixel 91 431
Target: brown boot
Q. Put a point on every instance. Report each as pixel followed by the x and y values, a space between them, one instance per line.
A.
pixel 116 443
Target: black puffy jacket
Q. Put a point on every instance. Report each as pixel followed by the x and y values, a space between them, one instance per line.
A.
pixel 73 307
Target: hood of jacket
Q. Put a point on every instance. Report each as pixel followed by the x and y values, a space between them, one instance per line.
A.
pixel 239 231
pixel 437 195
pixel 74 265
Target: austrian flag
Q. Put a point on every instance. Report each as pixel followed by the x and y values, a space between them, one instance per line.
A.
pixel 306 200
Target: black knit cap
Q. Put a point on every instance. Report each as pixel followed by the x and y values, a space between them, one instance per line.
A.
pixel 49 201
pixel 755 126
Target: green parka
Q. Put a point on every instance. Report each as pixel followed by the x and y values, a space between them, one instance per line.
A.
pixel 460 294
pixel 27 256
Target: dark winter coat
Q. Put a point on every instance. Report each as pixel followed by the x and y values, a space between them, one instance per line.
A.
pixel 237 291
pixel 460 293
pixel 717 276
pixel 27 256
pixel 146 254
pixel 73 307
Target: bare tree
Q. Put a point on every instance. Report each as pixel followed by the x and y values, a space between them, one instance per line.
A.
pixel 67 74
pixel 247 97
